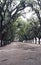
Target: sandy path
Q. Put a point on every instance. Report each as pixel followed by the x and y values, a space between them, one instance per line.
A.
pixel 20 54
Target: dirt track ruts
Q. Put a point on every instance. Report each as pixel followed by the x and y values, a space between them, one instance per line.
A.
pixel 18 53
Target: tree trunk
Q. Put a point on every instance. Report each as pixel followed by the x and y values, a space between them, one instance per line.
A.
pixel 1 27
pixel 39 40
pixel 35 40
pixel 1 42
pixel 0 39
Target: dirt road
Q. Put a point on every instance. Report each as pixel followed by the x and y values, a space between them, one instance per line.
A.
pixel 18 53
